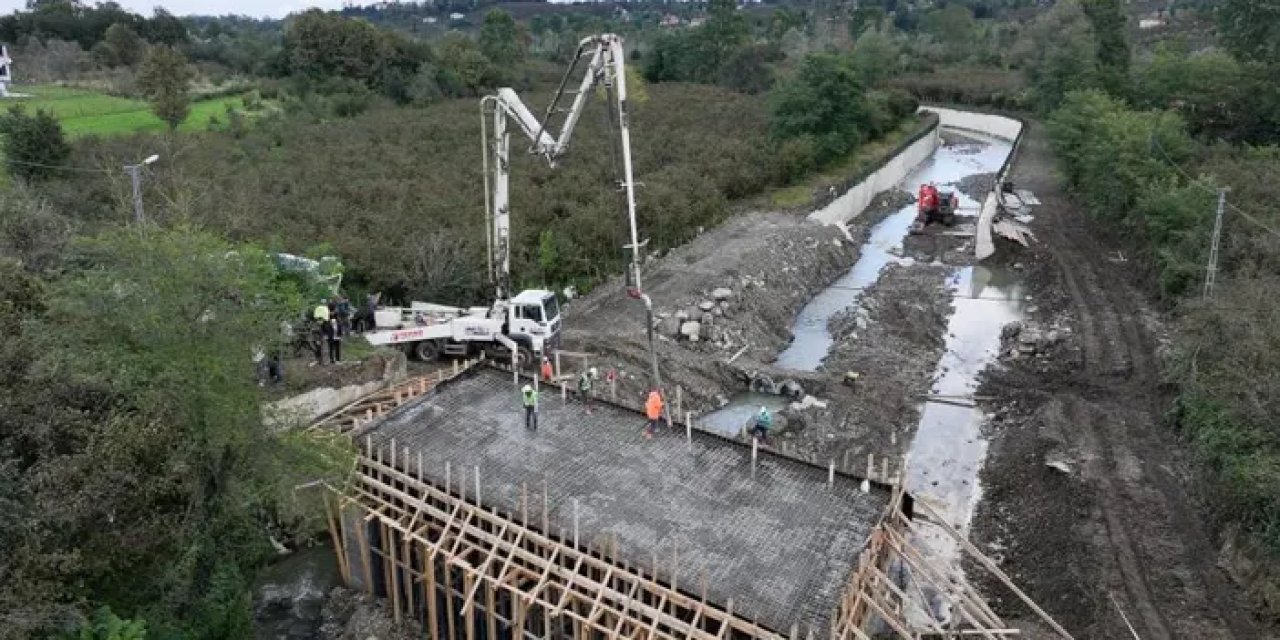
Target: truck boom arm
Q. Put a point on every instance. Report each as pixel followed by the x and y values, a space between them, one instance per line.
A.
pixel 604 66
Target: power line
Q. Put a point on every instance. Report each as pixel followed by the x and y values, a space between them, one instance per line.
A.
pixel 1196 182
pixel 57 167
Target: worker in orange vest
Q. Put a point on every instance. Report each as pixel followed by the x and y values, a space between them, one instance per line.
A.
pixel 547 371
pixel 652 411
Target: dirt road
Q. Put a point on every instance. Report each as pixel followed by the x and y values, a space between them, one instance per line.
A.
pixel 1109 539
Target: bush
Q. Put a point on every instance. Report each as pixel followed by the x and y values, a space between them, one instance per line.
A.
pixel 34 144
pixel 349 105
pixel 823 101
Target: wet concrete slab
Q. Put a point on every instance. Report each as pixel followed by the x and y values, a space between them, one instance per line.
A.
pixel 777 540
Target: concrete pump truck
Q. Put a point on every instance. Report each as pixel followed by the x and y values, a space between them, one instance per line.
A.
pixel 527 323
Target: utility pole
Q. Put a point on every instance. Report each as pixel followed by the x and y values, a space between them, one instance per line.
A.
pixel 1211 272
pixel 135 175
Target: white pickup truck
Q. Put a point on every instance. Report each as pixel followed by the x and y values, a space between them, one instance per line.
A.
pixel 530 320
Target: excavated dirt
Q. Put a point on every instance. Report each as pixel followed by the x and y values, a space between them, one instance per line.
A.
pixel 765 266
pixel 885 353
pixel 1089 501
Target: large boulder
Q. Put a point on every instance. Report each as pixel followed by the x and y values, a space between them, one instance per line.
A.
pixel 691 330
pixel 722 293
pixel 670 327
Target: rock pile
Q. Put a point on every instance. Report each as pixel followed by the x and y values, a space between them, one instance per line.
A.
pixel 699 321
pixel 1031 340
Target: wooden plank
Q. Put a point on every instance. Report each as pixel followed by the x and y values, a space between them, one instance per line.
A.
pixel 917 562
pixel 429 580
pixel 468 620
pixel 995 570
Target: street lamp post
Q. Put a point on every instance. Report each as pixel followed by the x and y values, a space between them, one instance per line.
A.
pixel 135 174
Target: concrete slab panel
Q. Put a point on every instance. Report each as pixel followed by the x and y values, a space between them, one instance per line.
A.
pixel 780 542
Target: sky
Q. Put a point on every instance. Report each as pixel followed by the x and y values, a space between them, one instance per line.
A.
pixel 253 8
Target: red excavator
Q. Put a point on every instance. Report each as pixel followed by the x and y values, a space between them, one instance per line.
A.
pixel 935 207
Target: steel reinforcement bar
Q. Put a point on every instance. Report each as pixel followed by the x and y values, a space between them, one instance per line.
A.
pixel 471 573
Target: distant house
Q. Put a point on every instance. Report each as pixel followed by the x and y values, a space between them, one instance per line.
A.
pixel 670 20
pixel 430 20
pixel 456 16
pixel 697 22
pixel 1151 23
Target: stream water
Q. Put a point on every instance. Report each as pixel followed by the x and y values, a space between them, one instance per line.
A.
pixel 812 340
pixel 947 167
pixel 948 449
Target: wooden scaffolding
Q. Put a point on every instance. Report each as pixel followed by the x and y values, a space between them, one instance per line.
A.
pixel 465 570
pixel 468 572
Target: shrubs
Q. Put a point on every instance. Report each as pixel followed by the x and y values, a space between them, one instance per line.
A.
pixel 825 110
pixel 34 146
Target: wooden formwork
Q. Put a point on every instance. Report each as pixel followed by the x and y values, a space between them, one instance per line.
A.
pixel 468 572
pixel 372 407
pixel 888 592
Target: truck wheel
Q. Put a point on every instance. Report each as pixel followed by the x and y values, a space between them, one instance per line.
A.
pixel 427 350
pixel 524 357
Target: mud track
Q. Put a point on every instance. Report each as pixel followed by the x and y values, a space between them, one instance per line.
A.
pixel 1120 530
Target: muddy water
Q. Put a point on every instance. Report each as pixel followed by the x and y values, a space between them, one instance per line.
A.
pixel 289 595
pixel 730 419
pixel 947 451
pixel 949 164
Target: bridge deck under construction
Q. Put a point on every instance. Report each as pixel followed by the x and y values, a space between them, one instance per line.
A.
pixel 775 541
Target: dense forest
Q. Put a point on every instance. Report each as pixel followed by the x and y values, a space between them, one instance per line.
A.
pixel 141 490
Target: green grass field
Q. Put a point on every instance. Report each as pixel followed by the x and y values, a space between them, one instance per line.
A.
pixel 83 112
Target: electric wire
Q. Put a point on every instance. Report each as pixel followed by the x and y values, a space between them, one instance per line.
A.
pixel 1196 182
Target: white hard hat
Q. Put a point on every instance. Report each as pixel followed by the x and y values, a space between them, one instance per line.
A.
pixel 526 388
pixel 764 409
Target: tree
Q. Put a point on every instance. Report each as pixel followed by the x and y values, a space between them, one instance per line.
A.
pixel 1251 29
pixel 120 46
pixel 320 47
pixel 501 39
pixel 875 57
pixel 164 28
pixel 748 70
pixel 132 447
pixel 1108 20
pixel 824 101
pixel 165 79
pixel 34 146
pixel 1060 54
pixel 464 70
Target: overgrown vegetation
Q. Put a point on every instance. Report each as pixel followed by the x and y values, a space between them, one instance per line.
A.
pixel 133 462
pixel 1147 151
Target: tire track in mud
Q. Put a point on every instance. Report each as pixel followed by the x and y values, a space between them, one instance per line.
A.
pixel 1099 327
pixel 1117 345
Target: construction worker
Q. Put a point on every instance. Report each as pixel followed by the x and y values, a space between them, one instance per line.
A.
pixel 764 422
pixel 529 397
pixel 652 411
pixel 547 371
pixel 332 330
pixel 584 389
